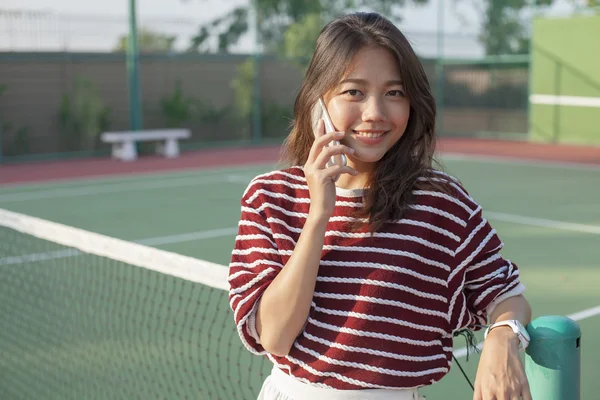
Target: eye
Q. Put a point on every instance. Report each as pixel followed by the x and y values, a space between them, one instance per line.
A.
pixel 353 92
pixel 396 93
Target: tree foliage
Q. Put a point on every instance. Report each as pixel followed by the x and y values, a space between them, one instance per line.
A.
pixel 504 28
pixel 276 17
pixel 148 42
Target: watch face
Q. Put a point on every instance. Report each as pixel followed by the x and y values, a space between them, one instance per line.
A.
pixel 523 329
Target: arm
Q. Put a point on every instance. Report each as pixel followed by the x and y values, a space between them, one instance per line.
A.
pixel 500 374
pixel 493 292
pixel 284 307
pixel 516 307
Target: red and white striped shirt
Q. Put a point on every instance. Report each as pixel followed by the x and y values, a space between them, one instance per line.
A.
pixel 384 307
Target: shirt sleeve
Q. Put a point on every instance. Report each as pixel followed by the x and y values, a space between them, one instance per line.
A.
pixel 487 278
pixel 255 262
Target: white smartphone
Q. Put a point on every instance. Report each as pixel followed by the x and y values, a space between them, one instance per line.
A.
pixel 337 159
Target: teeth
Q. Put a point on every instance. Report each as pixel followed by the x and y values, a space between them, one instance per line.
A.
pixel 369 134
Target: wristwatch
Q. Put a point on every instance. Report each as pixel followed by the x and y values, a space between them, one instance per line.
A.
pixel 517 328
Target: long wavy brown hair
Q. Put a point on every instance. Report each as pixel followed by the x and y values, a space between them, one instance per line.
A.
pixel 389 189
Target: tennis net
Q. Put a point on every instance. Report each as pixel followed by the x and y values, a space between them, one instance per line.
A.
pixel 83 315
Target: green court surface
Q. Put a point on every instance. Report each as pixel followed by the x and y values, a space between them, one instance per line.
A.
pixel 77 324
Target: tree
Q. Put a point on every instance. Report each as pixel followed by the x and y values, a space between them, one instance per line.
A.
pixel 277 16
pixel 300 38
pixel 504 29
pixel 587 3
pixel 148 42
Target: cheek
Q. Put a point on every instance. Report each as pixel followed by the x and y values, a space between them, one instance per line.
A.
pixel 401 116
pixel 343 115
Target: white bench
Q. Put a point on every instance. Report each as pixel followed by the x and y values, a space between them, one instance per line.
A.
pixel 123 143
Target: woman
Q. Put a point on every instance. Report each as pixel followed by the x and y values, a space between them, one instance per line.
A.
pixel 353 278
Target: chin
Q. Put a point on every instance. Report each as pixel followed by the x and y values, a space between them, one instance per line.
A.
pixel 368 156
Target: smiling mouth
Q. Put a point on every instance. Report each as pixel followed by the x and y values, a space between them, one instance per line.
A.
pixel 370 134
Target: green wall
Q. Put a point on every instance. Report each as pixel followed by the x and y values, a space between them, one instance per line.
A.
pixel 566 62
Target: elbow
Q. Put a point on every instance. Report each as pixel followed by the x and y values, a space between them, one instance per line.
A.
pixel 279 352
pixel 274 337
pixel 276 344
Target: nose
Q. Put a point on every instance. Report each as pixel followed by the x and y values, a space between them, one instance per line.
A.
pixel 373 110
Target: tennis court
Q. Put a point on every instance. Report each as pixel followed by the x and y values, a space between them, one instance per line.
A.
pixel 83 326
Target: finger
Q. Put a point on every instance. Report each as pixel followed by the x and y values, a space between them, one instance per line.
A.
pixel 322 142
pixel 492 396
pixel 337 170
pixel 327 152
pixel 526 394
pixel 487 394
pixel 327 138
pixel 314 151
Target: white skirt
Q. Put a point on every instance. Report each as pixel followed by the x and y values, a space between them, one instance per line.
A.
pixel 281 386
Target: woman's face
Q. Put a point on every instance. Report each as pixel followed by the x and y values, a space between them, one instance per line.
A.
pixel 370 106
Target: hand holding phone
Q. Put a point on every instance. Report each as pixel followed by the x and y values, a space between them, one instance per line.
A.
pixel 337 159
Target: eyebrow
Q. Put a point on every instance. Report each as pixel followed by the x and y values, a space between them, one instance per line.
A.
pixel 364 82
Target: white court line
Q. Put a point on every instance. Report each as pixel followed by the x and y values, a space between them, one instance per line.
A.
pixel 546 223
pixel 590 312
pixel 188 237
pixel 578 316
pixel 119 188
pixel 554 100
pixel 457 156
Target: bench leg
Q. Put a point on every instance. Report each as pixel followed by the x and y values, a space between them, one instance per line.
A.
pixel 116 150
pixel 128 151
pixel 171 149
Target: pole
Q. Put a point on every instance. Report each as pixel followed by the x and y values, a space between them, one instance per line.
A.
pixel 2 89
pixel 439 66
pixel 135 113
pixel 529 71
pixel 256 103
pixel 557 91
pixel 1 139
pixel 553 358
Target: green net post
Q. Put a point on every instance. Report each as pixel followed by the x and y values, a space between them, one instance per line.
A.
pixel 553 358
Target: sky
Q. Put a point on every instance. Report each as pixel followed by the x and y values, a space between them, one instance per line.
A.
pixel 85 25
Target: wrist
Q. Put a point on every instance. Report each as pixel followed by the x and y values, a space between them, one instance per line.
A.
pixel 316 220
pixel 504 334
pixel 508 330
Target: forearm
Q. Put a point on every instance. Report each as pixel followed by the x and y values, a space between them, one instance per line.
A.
pixel 501 374
pixel 284 307
pixel 516 307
